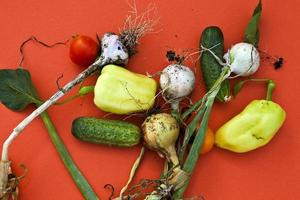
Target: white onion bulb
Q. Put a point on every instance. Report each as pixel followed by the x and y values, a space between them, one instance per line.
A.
pixel 243 59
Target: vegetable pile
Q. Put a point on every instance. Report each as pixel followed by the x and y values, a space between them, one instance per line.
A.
pixel 179 134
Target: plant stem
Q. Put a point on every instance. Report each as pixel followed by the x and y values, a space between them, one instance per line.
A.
pixel 82 92
pixel 4 172
pixel 224 75
pixel 193 155
pixel 271 87
pixel 175 113
pixel 192 158
pixel 191 109
pixel 199 107
pixel 132 173
pixel 67 100
pixel 77 176
pixel 188 134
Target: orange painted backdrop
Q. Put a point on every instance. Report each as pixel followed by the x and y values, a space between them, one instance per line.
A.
pixel 271 172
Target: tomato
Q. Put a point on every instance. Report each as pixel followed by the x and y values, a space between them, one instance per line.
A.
pixel 83 50
pixel 209 140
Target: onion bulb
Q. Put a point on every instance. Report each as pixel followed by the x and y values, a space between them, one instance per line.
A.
pixel 243 59
pixel 160 134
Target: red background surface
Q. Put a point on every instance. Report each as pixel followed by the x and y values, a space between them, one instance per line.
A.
pixel 271 172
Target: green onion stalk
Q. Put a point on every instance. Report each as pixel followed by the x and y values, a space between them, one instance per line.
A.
pixel 202 109
pixel 80 181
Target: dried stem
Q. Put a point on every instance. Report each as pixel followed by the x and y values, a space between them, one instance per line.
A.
pixel 133 172
pixel 34 39
pixel 4 171
pixel 214 55
pixel 110 187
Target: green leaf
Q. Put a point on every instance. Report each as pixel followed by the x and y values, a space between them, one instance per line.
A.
pixel 237 87
pixel 252 31
pixel 16 89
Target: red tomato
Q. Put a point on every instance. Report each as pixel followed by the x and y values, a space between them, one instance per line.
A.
pixel 83 50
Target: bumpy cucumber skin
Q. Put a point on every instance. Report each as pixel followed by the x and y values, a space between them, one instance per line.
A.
pixel 103 131
pixel 211 69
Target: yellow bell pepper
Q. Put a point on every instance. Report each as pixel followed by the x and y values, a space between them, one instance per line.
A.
pixel 121 91
pixel 254 127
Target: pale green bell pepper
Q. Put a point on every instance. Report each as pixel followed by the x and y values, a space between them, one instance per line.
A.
pixel 121 91
pixel 254 127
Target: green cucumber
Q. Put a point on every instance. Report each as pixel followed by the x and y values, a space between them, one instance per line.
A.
pixel 104 131
pixel 211 69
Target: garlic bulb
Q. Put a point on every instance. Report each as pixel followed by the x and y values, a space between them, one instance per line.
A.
pixel 177 82
pixel 113 50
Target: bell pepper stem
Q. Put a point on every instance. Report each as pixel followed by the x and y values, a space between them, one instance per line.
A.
pixel 270 88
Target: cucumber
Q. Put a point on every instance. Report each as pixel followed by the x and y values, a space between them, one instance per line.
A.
pixel 210 67
pixel 103 131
